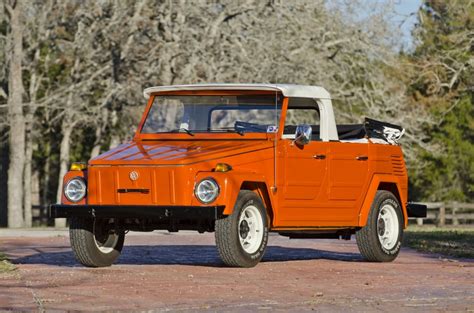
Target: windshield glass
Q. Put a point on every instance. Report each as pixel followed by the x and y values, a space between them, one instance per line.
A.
pixel 197 114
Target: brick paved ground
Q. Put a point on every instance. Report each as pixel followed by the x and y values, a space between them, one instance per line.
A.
pixel 182 272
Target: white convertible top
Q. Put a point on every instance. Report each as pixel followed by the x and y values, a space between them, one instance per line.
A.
pixel 288 90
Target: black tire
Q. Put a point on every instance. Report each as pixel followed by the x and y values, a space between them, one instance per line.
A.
pixel 87 234
pixel 229 233
pixel 368 241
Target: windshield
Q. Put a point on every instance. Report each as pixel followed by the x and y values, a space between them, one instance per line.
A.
pixel 197 114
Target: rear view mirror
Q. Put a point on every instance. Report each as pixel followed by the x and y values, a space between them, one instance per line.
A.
pixel 303 134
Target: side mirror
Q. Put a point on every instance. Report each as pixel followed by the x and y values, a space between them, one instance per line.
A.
pixel 303 134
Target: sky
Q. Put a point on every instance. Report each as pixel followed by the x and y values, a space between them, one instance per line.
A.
pixel 406 16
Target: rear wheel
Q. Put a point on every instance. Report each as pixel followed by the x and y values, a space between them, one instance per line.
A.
pixel 95 242
pixel 241 237
pixel 380 240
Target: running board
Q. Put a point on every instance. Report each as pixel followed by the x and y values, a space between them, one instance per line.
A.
pixel 346 235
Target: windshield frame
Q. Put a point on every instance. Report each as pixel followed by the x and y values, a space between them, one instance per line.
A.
pixel 209 135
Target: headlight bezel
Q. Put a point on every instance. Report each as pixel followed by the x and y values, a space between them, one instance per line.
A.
pixel 217 190
pixel 81 181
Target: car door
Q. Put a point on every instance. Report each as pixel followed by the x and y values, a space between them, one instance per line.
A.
pixel 304 168
pixel 348 177
pixel 304 176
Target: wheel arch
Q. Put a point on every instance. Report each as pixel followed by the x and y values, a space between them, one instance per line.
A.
pixel 261 189
pixel 382 182
pixel 233 183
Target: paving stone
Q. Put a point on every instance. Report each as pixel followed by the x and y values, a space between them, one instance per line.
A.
pixel 182 272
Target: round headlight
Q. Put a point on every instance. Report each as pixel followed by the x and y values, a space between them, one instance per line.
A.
pixel 75 189
pixel 206 190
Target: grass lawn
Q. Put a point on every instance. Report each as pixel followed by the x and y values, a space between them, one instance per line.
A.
pixel 5 265
pixel 454 242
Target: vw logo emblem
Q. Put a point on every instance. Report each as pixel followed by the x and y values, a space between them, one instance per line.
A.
pixel 133 175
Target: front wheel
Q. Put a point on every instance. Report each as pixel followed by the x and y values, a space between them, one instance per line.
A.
pixel 95 242
pixel 381 239
pixel 241 237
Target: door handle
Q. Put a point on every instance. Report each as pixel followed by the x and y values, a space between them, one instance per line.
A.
pixel 362 158
pixel 319 156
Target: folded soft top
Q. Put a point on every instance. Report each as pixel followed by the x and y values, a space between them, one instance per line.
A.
pixel 373 129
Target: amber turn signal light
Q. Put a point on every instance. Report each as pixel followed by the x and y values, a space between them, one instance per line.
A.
pixel 223 167
pixel 77 166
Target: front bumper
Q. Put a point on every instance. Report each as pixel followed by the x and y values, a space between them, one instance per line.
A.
pixel 137 211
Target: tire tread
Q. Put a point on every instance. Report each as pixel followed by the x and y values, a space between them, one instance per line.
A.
pixel 82 244
pixel 227 240
pixel 367 242
pixel 78 236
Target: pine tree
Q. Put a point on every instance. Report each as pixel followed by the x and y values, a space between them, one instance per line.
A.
pixel 443 84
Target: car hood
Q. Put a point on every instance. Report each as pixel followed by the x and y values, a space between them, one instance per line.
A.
pixel 179 152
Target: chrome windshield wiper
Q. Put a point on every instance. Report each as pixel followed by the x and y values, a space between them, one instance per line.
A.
pixel 182 129
pixel 228 130
pixel 238 131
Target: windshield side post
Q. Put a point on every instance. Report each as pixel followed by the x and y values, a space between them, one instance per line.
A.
pixel 142 120
pixel 281 126
pixel 278 137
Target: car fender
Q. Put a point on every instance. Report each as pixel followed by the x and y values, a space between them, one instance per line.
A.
pixel 230 184
pixel 370 195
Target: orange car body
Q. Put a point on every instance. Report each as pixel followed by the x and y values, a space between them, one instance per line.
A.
pixel 322 185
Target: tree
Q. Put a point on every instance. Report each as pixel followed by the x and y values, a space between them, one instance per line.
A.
pixel 16 115
pixel 88 62
pixel 442 82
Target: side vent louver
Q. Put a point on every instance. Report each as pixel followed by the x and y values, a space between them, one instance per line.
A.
pixel 398 166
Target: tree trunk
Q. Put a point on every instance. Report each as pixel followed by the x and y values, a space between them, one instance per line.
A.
pixel 95 151
pixel 114 142
pixel 3 181
pixel 40 214
pixel 115 139
pixel 17 121
pixel 46 179
pixel 29 121
pixel 98 139
pixel 27 181
pixel 65 148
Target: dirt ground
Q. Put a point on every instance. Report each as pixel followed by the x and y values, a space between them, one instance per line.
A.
pixel 182 272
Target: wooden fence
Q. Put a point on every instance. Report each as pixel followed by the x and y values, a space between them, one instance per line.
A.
pixel 448 213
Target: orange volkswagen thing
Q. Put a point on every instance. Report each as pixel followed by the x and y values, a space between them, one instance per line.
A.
pixel 242 160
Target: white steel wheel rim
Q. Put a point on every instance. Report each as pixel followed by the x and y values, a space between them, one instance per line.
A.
pixel 108 245
pixel 250 229
pixel 388 226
